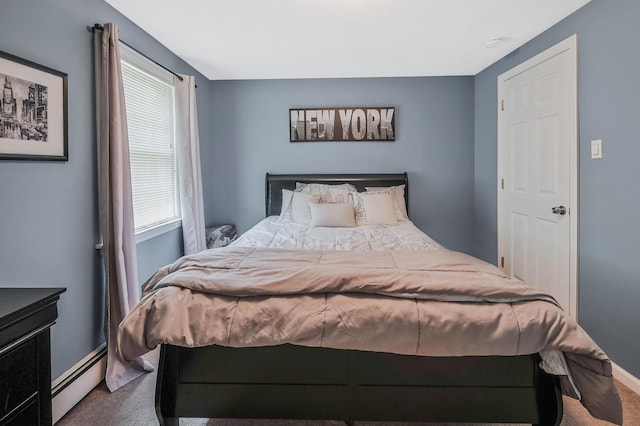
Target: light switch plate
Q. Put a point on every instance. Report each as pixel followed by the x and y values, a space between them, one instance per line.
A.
pixel 596 149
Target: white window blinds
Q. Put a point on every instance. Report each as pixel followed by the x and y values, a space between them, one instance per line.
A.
pixel 150 105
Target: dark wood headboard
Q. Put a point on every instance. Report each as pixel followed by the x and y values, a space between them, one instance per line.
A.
pixel 275 183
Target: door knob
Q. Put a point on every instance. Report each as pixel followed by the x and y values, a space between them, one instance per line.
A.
pixel 561 210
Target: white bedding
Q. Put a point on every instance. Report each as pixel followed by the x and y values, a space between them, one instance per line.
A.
pixel 274 232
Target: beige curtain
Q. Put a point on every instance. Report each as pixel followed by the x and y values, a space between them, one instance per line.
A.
pixel 189 173
pixel 115 205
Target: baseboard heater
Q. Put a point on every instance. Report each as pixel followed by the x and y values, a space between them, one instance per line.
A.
pixel 73 385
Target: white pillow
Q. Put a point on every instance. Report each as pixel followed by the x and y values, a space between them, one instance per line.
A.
pixel 285 209
pixel 320 187
pixel 339 193
pixel 375 208
pixel 332 215
pixel 398 198
pixel 295 206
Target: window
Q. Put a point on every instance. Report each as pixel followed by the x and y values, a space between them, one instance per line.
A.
pixel 150 103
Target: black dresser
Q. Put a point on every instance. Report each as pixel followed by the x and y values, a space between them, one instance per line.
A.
pixel 26 314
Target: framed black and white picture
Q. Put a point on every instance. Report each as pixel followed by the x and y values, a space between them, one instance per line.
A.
pixel 342 124
pixel 33 111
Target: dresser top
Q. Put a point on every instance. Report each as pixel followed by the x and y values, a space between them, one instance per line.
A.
pixel 17 302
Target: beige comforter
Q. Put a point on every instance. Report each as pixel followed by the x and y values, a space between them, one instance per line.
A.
pixel 432 303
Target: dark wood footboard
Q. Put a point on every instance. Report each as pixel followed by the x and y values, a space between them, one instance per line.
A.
pixel 295 382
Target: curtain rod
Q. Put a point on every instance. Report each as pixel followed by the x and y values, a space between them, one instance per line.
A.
pixel 100 27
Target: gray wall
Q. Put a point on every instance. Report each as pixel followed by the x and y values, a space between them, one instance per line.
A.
pixel 609 283
pixel 434 143
pixel 48 210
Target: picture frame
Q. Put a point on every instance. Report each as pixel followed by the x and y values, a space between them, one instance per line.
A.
pixel 33 111
pixel 342 124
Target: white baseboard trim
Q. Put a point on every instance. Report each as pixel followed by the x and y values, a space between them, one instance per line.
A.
pixel 74 384
pixel 626 378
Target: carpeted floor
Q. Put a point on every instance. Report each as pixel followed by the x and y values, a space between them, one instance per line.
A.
pixel 133 405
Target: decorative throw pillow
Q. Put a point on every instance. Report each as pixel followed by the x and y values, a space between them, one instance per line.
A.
pixel 285 208
pixel 375 208
pixel 295 206
pixel 398 198
pixel 300 211
pixel 328 193
pixel 332 215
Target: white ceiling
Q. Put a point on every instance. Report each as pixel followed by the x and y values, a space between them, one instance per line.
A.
pixel 265 39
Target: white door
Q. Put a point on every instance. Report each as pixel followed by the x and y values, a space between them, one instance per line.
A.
pixel 538 138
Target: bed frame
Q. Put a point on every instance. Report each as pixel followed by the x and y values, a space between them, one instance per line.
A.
pixel 295 382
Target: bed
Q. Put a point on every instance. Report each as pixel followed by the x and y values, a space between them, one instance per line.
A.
pixel 267 377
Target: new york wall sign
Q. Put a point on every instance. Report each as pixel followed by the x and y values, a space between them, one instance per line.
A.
pixel 342 124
